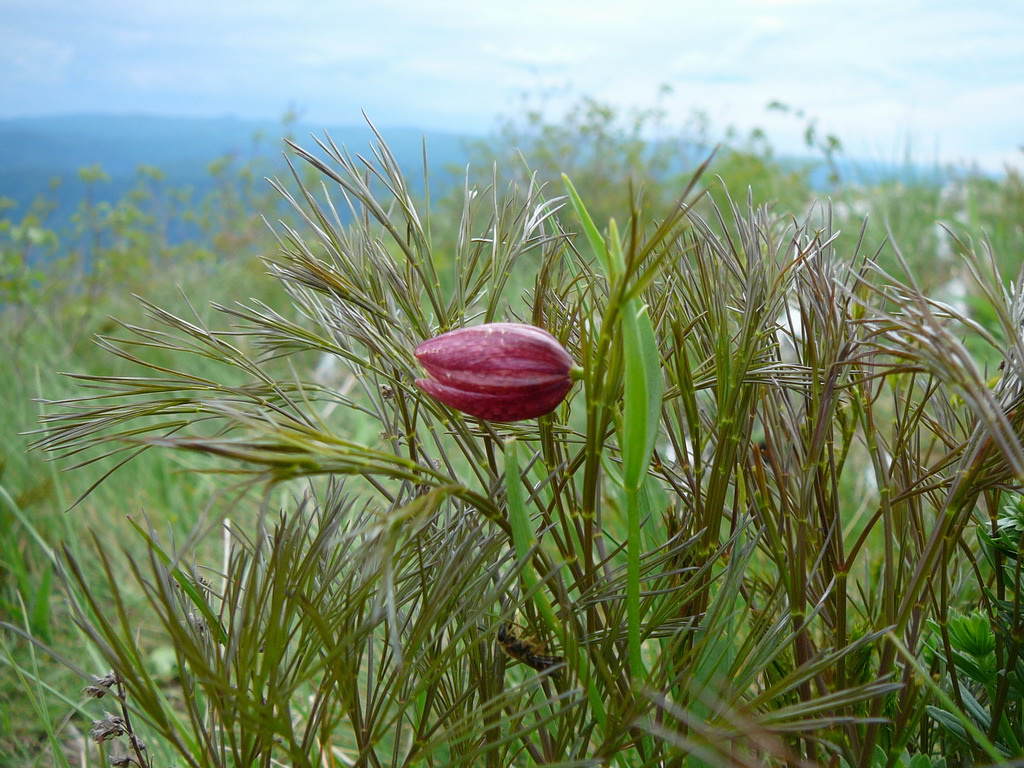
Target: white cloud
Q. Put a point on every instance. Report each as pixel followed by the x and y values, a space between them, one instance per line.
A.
pixel 31 57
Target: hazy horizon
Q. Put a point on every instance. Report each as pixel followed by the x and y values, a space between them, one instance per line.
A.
pixel 945 80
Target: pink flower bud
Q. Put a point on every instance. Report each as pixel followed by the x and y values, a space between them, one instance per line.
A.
pixel 497 371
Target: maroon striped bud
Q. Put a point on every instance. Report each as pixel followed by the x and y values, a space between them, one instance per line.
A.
pixel 497 371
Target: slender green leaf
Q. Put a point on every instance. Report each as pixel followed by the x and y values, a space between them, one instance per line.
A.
pixel 186 584
pixel 643 393
pixel 597 242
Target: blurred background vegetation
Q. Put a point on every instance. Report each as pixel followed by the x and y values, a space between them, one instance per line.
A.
pixel 70 262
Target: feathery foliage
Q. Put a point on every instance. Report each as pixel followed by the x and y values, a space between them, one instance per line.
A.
pixel 760 494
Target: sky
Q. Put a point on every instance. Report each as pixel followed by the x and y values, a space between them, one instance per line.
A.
pixel 942 80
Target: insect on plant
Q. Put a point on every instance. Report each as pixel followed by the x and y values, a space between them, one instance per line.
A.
pixel 525 648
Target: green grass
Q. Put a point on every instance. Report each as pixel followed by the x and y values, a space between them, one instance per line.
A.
pixel 777 487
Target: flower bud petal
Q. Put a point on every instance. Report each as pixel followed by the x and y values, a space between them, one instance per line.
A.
pixel 497 371
pixel 497 407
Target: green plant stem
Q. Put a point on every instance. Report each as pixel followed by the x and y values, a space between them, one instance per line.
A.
pixel 633 547
pixel 1003 681
pixel 524 542
pixel 968 724
pixel 960 498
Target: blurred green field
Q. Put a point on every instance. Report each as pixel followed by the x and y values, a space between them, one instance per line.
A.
pixel 59 290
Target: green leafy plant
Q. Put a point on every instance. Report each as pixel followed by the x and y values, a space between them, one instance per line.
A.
pixel 731 537
pixel 981 652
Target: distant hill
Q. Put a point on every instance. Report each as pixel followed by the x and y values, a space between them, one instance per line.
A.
pixel 35 152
